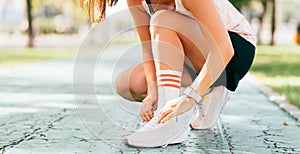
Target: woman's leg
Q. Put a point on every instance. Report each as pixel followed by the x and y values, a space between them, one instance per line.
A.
pixel 177 36
pixel 168 48
pixel 174 38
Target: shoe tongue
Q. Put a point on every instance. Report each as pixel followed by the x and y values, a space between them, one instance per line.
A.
pixel 153 123
pixel 156 114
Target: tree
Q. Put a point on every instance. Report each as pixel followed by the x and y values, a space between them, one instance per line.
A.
pixel 240 3
pixel 273 21
pixel 29 20
pixel 261 18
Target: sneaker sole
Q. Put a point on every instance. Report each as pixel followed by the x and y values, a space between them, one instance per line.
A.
pixel 178 140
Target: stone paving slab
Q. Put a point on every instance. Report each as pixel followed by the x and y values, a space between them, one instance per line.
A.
pixel 38 115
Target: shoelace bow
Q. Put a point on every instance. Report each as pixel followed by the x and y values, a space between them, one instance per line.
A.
pixel 152 123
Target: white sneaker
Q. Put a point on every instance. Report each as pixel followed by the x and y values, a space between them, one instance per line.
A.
pixel 156 135
pixel 210 108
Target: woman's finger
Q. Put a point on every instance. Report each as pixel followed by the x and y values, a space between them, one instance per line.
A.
pixel 154 107
pixel 149 113
pixel 167 118
pixel 163 114
pixel 145 113
pixel 142 116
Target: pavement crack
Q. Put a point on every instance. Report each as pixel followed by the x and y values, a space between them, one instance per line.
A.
pixel 275 144
pixel 27 136
pixel 31 135
pixel 266 133
pixel 228 139
pixel 81 139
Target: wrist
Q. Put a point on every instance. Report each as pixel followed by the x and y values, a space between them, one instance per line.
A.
pixel 191 100
pixel 191 93
pixel 152 89
pixel 152 86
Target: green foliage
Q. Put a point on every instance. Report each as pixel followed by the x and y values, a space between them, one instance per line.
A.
pixel 17 57
pixel 278 60
pixel 291 92
pixel 279 68
pixel 45 23
pixel 240 3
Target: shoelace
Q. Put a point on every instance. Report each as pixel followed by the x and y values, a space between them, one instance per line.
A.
pixel 200 104
pixel 152 123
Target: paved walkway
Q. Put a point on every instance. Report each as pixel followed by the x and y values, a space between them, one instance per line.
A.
pixel 38 115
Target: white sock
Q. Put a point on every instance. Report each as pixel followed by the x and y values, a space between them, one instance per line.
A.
pixel 169 82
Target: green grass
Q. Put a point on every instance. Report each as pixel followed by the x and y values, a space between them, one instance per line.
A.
pixel 279 68
pixel 17 57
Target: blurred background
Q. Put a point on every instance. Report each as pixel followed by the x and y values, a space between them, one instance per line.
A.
pixel 26 22
pixel 33 22
pixel 30 27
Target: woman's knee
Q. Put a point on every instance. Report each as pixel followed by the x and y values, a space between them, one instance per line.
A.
pixel 159 18
pixel 131 84
pixel 122 86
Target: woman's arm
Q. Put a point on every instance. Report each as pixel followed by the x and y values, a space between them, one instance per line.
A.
pixel 142 22
pixel 221 50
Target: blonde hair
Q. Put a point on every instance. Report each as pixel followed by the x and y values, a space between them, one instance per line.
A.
pixel 99 5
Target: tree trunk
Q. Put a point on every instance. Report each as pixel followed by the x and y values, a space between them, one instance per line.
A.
pixel 29 20
pixel 274 21
pixel 261 21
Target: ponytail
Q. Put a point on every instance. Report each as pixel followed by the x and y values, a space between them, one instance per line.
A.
pixel 97 15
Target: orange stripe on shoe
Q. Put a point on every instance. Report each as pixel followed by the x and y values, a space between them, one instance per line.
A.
pixel 173 80
pixel 169 85
pixel 171 75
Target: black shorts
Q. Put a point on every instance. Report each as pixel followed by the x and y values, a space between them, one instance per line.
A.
pixel 238 66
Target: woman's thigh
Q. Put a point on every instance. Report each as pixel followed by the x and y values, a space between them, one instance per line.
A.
pixel 193 36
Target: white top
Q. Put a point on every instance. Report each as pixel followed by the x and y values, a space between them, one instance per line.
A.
pixel 231 17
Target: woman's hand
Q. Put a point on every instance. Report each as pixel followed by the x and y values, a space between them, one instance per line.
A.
pixel 149 104
pixel 175 107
